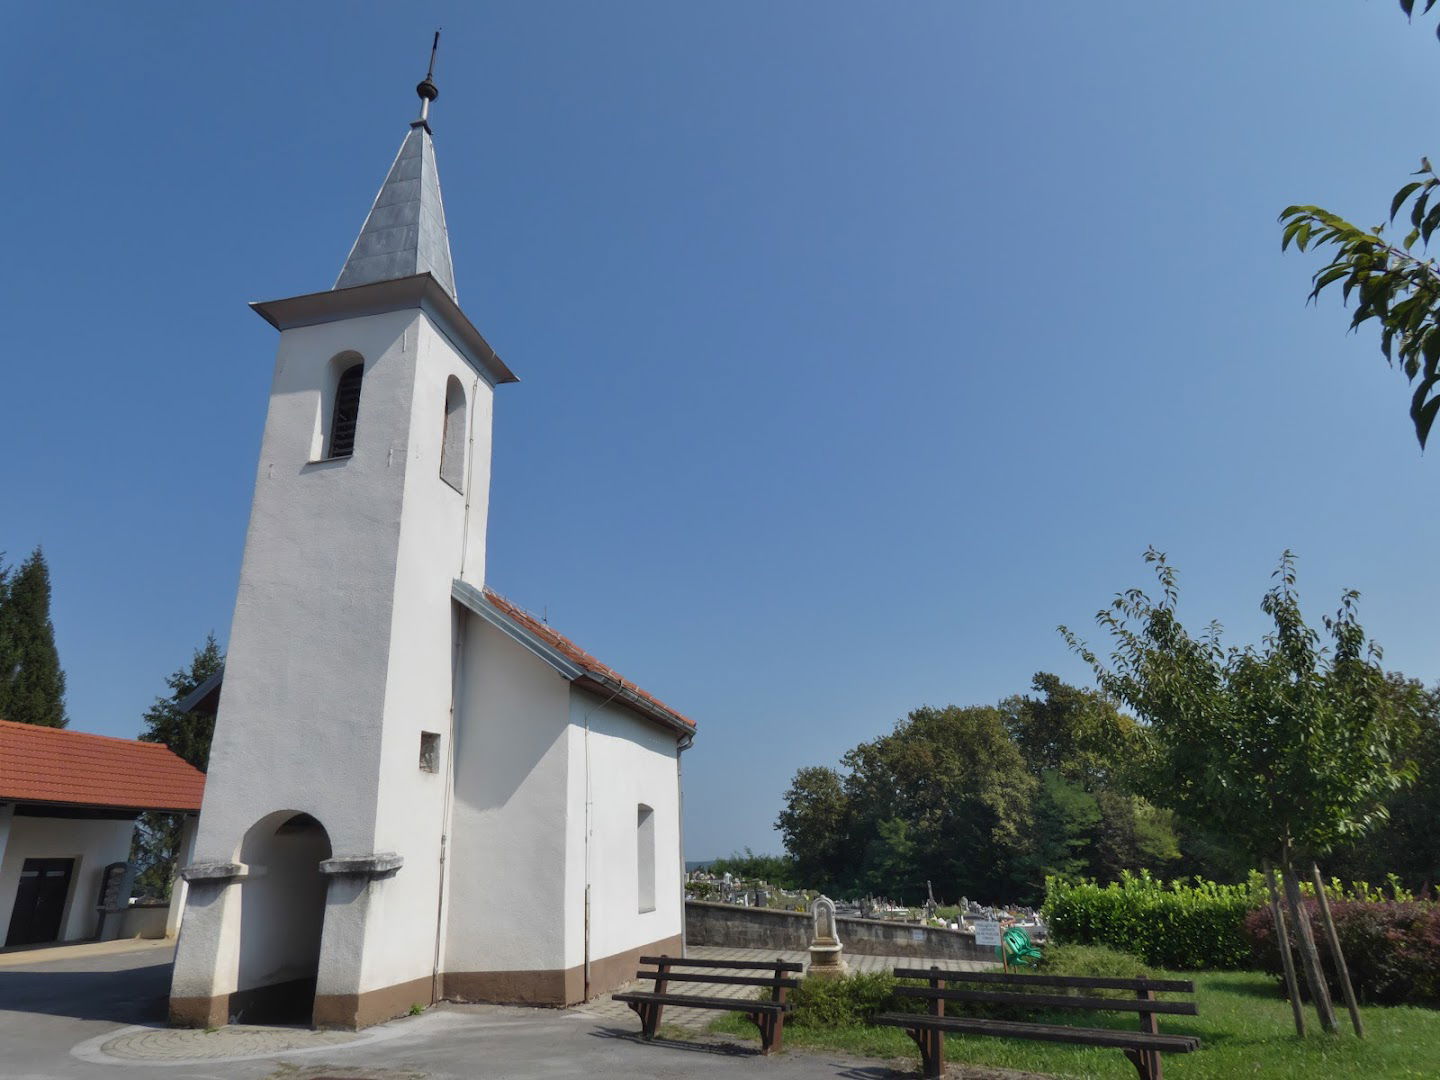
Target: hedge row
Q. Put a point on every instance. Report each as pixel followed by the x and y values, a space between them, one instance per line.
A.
pixel 1391 949
pixel 1178 925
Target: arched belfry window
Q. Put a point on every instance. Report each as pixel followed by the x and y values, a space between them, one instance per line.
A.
pixel 452 448
pixel 347 411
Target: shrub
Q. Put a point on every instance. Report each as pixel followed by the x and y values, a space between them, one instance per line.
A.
pixel 1180 925
pixel 1392 949
pixel 1094 960
pixel 851 999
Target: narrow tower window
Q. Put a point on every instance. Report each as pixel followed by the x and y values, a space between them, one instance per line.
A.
pixel 645 856
pixel 452 449
pixel 347 412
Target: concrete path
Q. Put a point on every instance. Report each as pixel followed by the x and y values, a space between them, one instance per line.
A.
pixel 91 1012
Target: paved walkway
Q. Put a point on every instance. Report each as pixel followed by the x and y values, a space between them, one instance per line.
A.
pixel 97 1013
pixel 700 1019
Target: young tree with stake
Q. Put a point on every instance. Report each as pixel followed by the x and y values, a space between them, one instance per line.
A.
pixel 1288 748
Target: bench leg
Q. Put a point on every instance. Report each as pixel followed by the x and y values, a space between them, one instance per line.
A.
pixel 1147 1063
pixel 649 1014
pixel 769 1030
pixel 932 1051
pixel 652 1022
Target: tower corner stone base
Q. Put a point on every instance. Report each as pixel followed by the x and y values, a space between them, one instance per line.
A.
pixel 350 1012
pixel 200 1012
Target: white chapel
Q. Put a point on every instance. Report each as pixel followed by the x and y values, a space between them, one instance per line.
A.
pixel 417 791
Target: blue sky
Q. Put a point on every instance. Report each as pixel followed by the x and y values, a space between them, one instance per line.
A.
pixel 861 343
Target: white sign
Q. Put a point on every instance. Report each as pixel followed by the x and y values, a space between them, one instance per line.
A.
pixel 987 933
pixel 917 935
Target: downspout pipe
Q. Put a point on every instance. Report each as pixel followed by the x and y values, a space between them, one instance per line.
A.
pixel 681 745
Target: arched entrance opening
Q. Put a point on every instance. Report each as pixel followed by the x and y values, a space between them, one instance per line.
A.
pixel 282 915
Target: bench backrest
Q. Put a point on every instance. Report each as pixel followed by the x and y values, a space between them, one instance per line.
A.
pixel 1008 991
pixel 767 973
pixel 739 965
pixel 1077 982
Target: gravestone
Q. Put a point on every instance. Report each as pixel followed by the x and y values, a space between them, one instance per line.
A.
pixel 827 960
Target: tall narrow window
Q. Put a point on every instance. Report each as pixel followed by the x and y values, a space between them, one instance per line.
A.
pixel 645 856
pixel 347 412
pixel 452 448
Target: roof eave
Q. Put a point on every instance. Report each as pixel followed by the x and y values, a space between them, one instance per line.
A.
pixel 600 683
pixel 195 701
pixel 126 808
pixel 474 600
pixel 420 291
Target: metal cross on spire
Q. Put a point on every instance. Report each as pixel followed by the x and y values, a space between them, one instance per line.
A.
pixel 427 89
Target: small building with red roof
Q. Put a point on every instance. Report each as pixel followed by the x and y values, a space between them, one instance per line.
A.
pixel 68 805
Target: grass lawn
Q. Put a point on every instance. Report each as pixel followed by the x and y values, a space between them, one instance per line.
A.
pixel 1244 1024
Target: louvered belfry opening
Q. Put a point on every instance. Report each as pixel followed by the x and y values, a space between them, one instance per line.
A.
pixel 347 412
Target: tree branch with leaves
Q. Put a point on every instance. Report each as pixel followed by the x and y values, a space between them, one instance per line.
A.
pixel 1390 283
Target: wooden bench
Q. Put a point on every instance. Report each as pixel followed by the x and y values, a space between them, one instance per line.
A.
pixel 1143 1048
pixel 768 1016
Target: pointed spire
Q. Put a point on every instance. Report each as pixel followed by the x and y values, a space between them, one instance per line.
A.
pixel 404 233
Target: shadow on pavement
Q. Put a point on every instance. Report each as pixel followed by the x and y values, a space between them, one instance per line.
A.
pixel 724 1049
pixel 131 995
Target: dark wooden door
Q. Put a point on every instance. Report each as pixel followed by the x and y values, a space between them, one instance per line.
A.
pixel 40 901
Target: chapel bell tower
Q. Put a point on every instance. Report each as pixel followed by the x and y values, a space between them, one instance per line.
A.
pixel 321 847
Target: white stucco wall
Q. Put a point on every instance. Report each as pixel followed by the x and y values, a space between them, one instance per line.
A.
pixel 435 546
pixel 630 761
pixel 92 844
pixel 507 894
pixel 309 643
pixel 341 646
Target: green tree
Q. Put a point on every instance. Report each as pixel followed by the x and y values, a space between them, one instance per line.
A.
pixel 1391 284
pixel 1289 749
pixel 747 866
pixel 814 825
pixel 9 655
pixel 945 797
pixel 1408 843
pixel 1076 732
pixel 1088 821
pixel 187 734
pixel 1132 834
pixel 32 684
pixel 1062 837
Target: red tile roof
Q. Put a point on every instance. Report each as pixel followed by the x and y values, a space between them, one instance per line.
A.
pixel 574 653
pixel 51 765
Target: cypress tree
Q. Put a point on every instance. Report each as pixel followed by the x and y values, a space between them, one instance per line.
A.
pixel 32 685
pixel 9 660
pixel 187 734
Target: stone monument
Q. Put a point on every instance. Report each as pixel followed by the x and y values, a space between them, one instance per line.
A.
pixel 827 960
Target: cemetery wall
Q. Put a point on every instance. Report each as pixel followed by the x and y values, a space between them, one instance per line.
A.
pixel 734 927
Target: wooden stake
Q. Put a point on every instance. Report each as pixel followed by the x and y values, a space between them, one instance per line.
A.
pixel 1309 955
pixel 1292 986
pixel 1333 937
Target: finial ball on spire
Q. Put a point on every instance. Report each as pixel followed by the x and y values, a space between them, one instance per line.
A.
pixel 427 89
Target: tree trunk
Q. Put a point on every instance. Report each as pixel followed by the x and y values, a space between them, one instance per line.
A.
pixel 1309 955
pixel 1333 937
pixel 1287 957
